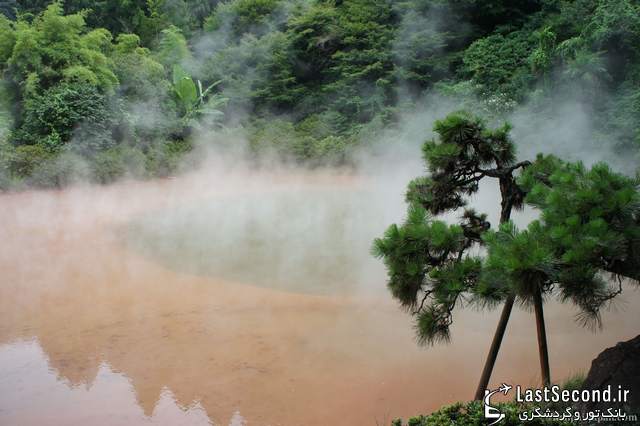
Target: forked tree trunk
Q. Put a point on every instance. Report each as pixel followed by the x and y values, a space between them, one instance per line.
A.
pixel 542 338
pixel 495 347
pixel 508 191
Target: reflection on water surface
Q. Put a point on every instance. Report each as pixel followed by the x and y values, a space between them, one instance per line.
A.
pixel 33 391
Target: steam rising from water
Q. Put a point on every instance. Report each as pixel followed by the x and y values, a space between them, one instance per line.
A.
pixel 301 241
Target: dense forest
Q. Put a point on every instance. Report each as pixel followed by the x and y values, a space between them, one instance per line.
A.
pixel 101 89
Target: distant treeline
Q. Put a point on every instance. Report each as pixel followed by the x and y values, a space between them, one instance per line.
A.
pixel 99 89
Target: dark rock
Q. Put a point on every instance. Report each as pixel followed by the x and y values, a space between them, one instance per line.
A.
pixel 618 367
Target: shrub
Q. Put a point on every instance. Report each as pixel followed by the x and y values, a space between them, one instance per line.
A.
pixel 60 170
pixel 499 64
pixel 64 112
pixel 472 414
pixel 114 163
pixel 166 158
pixel 26 158
pixel 243 16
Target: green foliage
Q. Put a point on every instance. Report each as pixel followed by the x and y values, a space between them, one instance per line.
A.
pixel 114 163
pixel 456 160
pixel 588 224
pixel 34 165
pixel 335 56
pixel 361 69
pixel 422 47
pixel 7 40
pixel 472 414
pixel 240 17
pixel 247 70
pixel 194 100
pixel 623 116
pixel 358 62
pixel 145 18
pixel 419 248
pixel 499 63
pixel 145 92
pixel 114 15
pixel 172 48
pixel 6 120
pixel 141 77
pixel 311 141
pixel 60 77
pixel 542 57
pixel 8 8
pixel 26 158
pixel 615 27
pixel 184 87
pixel 59 171
pixel 520 262
pixel 67 111
pixel 70 91
pixel 55 48
pixel 7 152
pixel 429 264
pixel 167 158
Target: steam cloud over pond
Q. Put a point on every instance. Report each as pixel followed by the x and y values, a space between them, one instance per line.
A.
pixel 306 240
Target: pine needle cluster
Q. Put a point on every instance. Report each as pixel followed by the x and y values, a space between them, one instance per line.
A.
pixel 588 228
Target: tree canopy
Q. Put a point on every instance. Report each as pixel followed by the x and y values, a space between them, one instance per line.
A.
pixel 350 67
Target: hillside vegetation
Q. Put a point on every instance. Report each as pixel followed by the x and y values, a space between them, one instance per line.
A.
pixel 100 89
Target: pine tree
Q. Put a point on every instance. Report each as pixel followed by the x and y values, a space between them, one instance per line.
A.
pixel 588 225
pixel 430 265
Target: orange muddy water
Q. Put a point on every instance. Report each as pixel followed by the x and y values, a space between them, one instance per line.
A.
pixel 243 299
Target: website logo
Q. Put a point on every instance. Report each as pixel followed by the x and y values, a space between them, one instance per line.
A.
pixel 491 412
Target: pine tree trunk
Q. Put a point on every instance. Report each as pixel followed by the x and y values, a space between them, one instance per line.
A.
pixel 542 338
pixel 495 347
pixel 508 190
